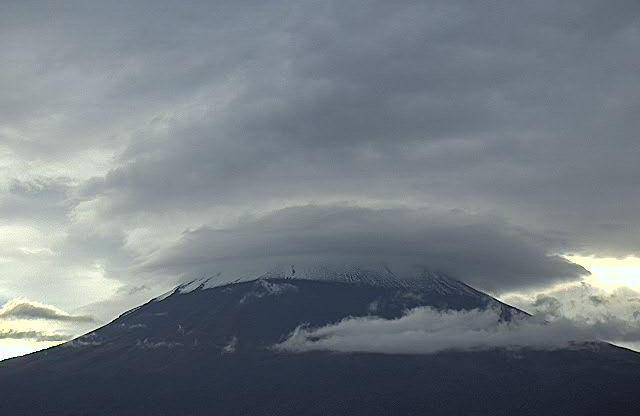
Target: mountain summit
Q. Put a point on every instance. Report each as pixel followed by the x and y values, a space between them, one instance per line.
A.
pixel 377 276
pixel 209 347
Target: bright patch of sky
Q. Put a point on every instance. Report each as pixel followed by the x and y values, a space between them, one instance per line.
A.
pixel 610 273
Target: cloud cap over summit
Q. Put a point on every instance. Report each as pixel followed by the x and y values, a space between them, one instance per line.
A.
pixel 481 251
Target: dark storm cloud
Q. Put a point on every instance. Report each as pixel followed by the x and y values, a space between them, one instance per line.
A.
pixel 24 309
pixel 480 251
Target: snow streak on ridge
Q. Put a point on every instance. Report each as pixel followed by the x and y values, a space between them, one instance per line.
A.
pixel 380 277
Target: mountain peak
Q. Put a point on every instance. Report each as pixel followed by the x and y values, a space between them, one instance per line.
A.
pixel 379 276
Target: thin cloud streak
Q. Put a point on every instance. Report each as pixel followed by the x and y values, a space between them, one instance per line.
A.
pixel 33 335
pixel 25 309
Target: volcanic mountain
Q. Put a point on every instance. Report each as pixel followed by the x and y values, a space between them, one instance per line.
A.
pixel 209 347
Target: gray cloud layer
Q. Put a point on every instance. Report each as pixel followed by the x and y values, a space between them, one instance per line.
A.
pixel 522 109
pixel 23 309
pixel 441 102
pixel 482 251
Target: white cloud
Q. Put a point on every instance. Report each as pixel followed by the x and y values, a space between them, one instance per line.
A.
pixel 425 330
pixel 610 315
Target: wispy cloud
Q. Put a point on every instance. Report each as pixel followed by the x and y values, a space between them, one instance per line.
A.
pixel 33 335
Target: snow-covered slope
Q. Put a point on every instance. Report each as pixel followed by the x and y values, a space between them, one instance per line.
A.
pixel 379 276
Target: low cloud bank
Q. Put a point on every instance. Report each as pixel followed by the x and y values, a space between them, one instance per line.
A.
pixel 425 330
pixel 613 316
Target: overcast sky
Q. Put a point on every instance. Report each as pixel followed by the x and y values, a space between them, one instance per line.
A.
pixel 149 142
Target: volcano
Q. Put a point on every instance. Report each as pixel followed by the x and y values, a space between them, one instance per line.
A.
pixel 207 348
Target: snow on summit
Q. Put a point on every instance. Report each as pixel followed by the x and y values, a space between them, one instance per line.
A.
pixel 380 275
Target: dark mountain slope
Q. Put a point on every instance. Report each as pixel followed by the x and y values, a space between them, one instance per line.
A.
pixel 204 351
